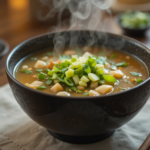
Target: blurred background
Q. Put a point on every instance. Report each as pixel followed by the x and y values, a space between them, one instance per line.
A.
pixel 23 19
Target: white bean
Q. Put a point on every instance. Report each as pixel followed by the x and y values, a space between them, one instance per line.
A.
pixel 63 93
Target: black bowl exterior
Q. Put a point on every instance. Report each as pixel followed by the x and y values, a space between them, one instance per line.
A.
pixel 80 116
pixel 132 32
pixel 4 48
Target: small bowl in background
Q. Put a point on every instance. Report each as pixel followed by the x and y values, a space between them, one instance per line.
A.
pixel 4 48
pixel 129 31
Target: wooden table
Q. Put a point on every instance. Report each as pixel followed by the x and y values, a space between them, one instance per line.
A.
pixel 17 26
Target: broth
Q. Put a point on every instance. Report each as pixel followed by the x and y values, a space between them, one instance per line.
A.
pixel 130 72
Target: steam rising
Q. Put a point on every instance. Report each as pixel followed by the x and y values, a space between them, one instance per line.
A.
pixel 85 15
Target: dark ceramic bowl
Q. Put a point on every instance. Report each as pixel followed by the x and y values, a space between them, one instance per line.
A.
pixel 132 32
pixel 80 119
pixel 3 48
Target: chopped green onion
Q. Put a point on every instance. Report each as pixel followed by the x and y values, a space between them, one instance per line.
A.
pixel 39 70
pixel 73 59
pixel 79 91
pixel 64 70
pixel 68 81
pixel 33 58
pixel 113 56
pixel 87 69
pixel 138 80
pixel 122 64
pixel 86 94
pixel 101 60
pixel 46 70
pixel 102 82
pixel 84 79
pixel 113 67
pixel 101 53
pixel 83 83
pixel 41 76
pixel 64 57
pixel 54 76
pixel 76 79
pixel 41 87
pixel 26 71
pixel 69 73
pixel 60 79
pixel 93 77
pixel 79 71
pixel 48 54
pixel 73 88
pixel 48 82
pixel 136 74
pixel 99 72
pixel 76 64
pixel 109 78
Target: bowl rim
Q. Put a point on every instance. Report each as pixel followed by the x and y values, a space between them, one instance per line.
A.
pixel 72 97
pixel 6 48
pixel 118 17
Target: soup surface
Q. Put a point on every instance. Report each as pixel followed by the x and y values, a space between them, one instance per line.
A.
pixel 84 71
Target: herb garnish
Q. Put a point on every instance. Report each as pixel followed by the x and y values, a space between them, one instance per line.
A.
pixel 122 64
pixel 41 87
pixel 86 94
pixel 138 80
pixel 33 58
pixel 26 71
pixel 48 54
pixel 136 74
pixel 113 56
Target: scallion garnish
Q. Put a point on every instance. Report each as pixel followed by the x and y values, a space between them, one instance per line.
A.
pixel 136 74
pixel 41 76
pixel 138 80
pixel 122 64
pixel 41 87
pixel 26 71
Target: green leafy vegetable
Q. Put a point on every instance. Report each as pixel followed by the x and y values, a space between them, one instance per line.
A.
pixel 60 79
pixel 113 56
pixel 41 87
pixel 39 70
pixel 138 80
pixel 64 57
pixel 69 82
pixel 101 53
pixel 122 64
pixel 46 70
pixel 109 78
pixel 91 61
pixel 86 94
pixel 136 74
pixel 49 82
pixel 26 71
pixel 79 91
pixel 122 89
pixel 87 69
pixel 48 54
pixel 113 67
pixel 33 58
pixel 41 76
pixel 73 88
pixel 101 60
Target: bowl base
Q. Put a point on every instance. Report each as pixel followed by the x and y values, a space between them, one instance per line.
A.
pixel 81 139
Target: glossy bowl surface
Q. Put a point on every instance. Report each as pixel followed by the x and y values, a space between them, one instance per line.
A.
pixel 80 119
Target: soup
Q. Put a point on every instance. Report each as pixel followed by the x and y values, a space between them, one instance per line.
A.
pixel 86 71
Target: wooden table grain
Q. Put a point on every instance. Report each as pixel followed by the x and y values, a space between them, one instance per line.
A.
pixel 17 26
